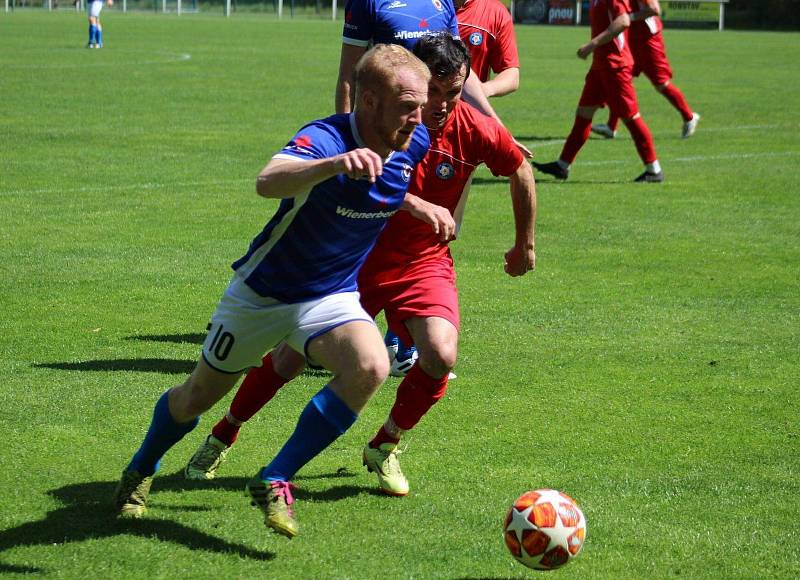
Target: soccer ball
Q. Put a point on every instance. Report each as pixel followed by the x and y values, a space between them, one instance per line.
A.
pixel 544 529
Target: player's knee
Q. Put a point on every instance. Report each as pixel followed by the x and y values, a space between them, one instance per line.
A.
pixel 661 87
pixel 369 371
pixel 439 359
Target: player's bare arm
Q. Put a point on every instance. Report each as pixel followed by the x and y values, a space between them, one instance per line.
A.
pixel 650 8
pixel 439 218
pixel 344 85
pixel 503 83
pixel 617 26
pixel 521 258
pixel 283 178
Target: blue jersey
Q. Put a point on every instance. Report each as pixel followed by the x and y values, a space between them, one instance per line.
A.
pixel 401 22
pixel 316 242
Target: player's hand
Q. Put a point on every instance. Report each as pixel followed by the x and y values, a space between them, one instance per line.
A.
pixel 360 164
pixel 527 153
pixel 520 261
pixel 439 218
pixel 585 50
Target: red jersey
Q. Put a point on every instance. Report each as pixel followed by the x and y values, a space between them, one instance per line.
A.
pixel 614 54
pixel 641 30
pixel 467 139
pixel 486 28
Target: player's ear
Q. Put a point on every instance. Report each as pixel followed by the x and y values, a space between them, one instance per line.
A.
pixel 369 99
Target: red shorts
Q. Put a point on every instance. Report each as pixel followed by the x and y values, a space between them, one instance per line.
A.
pixel 612 87
pixel 650 58
pixel 422 289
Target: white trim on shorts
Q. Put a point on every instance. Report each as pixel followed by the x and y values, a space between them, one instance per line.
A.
pixel 246 325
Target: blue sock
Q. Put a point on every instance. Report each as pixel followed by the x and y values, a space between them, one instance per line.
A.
pixel 163 433
pixel 99 35
pixel 92 28
pixel 390 338
pixel 323 420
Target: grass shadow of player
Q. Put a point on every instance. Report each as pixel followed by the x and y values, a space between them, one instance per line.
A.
pixel 182 338
pixel 168 366
pixel 175 482
pixel 87 514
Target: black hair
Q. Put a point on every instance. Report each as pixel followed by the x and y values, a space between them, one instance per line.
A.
pixel 443 54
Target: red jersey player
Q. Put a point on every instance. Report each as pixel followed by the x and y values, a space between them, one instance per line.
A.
pixel 487 30
pixel 650 58
pixel 609 82
pixel 410 274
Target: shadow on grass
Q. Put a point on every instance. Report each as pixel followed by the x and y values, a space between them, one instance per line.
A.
pixel 88 514
pixel 168 366
pixel 189 337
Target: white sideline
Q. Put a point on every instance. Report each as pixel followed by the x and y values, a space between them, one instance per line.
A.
pixel 169 57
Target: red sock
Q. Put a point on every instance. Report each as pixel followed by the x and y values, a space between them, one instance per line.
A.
pixel 674 95
pixel 382 437
pixel 577 137
pixel 613 121
pixel 415 396
pixel 642 139
pixel 258 387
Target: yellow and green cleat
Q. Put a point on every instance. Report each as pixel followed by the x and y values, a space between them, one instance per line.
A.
pixel 130 497
pixel 274 499
pixel 206 460
pixel 384 463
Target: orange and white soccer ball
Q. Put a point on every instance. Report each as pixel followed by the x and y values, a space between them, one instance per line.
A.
pixel 544 529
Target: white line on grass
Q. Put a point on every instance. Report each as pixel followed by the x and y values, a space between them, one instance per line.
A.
pixel 128 187
pixel 701 158
pixel 704 130
pixel 169 57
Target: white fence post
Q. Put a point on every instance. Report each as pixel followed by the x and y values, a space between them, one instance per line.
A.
pixel 179 7
pixel 578 10
pixel 280 9
pixel 333 10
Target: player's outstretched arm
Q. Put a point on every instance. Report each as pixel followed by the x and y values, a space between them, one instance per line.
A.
pixel 618 25
pixel 437 216
pixel 283 178
pixel 344 84
pixel 522 257
pixel 503 83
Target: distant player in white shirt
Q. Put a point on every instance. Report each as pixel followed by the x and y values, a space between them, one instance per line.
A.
pixel 94 7
pixel 339 180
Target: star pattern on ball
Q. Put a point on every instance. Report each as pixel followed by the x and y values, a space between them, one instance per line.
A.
pixel 520 522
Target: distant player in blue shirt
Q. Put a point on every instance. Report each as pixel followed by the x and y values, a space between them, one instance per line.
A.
pixel 94 7
pixel 339 180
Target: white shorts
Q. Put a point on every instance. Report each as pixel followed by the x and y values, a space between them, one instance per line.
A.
pixel 246 325
pixel 94 8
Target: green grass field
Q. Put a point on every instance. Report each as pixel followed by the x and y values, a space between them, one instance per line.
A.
pixel 649 367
